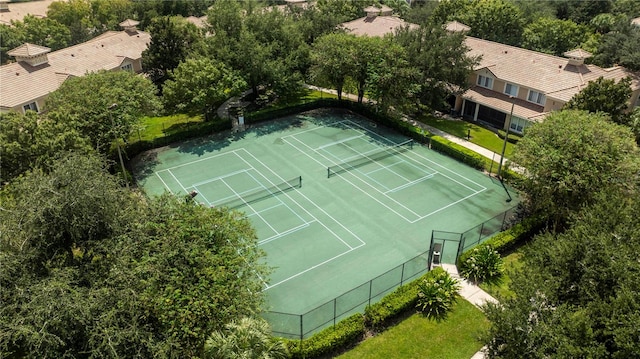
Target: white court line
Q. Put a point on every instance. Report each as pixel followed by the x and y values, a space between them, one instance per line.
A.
pixel 358 187
pixel 221 177
pixel 409 184
pixel 164 183
pixel 174 177
pixel 314 267
pixel 199 160
pixel 250 206
pixel 288 231
pixel 274 195
pixel 339 142
pixel 318 207
pixel 201 194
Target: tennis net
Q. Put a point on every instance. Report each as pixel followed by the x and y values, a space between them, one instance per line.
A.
pixel 261 193
pixel 369 157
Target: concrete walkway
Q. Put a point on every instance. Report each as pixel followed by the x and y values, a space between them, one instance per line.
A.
pixel 472 293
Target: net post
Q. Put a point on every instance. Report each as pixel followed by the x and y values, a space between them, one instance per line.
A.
pixel 328 172
pixel 300 182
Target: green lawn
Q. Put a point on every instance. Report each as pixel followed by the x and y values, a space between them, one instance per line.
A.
pixel 501 289
pixel 155 127
pixel 419 337
pixel 479 135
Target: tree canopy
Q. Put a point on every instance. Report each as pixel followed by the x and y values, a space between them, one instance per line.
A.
pixel 570 156
pixel 92 270
pixel 606 96
pixel 553 36
pixel 86 102
pixel 198 85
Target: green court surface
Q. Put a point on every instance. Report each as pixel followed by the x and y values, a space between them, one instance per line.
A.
pixel 336 201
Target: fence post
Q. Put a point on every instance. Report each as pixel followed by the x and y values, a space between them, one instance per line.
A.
pixel 402 274
pixel 334 311
pixel 481 229
pixel 504 219
pixel 301 330
pixel 370 289
pixel 460 246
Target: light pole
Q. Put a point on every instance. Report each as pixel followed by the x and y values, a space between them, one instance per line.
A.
pixel 506 136
pixel 124 171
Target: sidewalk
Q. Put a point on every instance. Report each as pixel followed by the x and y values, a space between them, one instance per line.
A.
pixel 472 293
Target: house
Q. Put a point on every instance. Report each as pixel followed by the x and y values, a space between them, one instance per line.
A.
pixel 510 87
pixel 527 85
pixel 26 83
pixel 16 11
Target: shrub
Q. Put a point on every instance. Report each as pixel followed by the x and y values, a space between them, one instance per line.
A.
pixel 483 264
pixel 347 332
pixel 513 137
pixel 437 293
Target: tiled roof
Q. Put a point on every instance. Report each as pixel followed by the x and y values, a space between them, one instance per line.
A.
pixel 18 10
pixel 28 50
pixel 636 21
pixel 21 82
pixel 198 21
pixel 549 74
pixel 129 23
pixel 375 26
pixel 502 102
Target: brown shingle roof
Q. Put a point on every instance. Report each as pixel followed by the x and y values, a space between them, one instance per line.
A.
pixel 21 82
pixel 455 26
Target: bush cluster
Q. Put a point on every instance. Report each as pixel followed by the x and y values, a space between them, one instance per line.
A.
pixel 483 264
pixel 437 293
pixel 379 314
pixel 513 137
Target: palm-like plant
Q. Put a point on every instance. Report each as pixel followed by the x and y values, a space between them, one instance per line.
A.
pixel 248 338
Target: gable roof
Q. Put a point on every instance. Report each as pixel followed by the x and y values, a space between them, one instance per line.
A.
pixel 21 82
pixel 549 74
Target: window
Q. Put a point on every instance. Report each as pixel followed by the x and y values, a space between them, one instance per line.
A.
pixel 536 97
pixel 511 89
pixel 30 107
pixel 486 82
pixel 127 67
pixel 518 124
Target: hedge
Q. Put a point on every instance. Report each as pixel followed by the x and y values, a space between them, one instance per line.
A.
pixel 344 334
pixel 457 151
pixel 513 137
pixel 379 314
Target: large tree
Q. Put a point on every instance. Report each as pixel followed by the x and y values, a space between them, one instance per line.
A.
pixel 44 32
pixel 92 270
pixel 172 40
pixel 333 60
pixel 620 46
pixel 87 102
pixel 570 156
pixel 576 296
pixel 441 61
pixel 197 85
pixel 76 16
pixel 553 36
pixel 31 140
pixel 606 96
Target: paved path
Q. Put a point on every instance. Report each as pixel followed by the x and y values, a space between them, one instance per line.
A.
pixel 472 293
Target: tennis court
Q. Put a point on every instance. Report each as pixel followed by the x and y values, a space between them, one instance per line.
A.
pixel 336 200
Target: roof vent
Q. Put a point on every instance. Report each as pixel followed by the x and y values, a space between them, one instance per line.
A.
pixel 577 56
pixel 130 26
pixel 32 54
